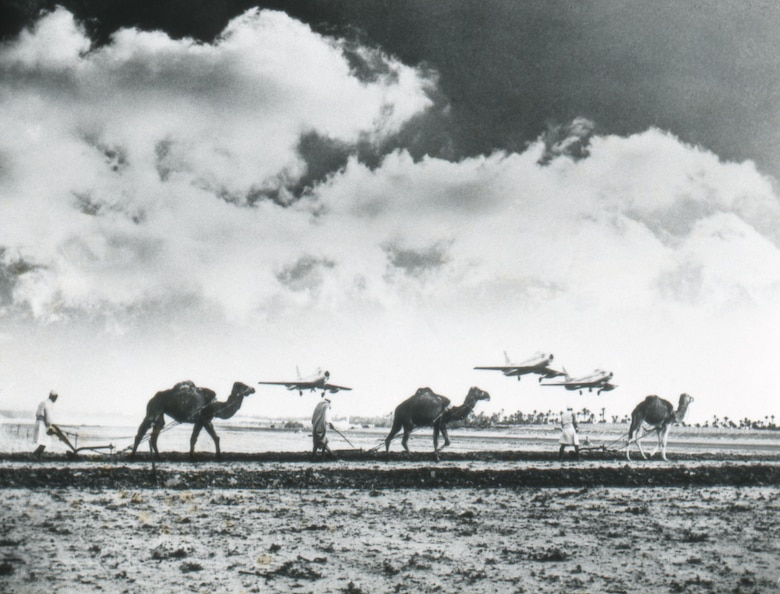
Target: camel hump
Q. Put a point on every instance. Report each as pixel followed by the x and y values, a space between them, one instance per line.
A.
pixel 427 392
pixel 190 387
pixel 185 386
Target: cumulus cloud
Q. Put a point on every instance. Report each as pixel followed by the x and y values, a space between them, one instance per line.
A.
pixel 155 180
pixel 636 208
pixel 126 161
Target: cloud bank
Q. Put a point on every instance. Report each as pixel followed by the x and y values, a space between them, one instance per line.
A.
pixel 122 163
pixel 154 182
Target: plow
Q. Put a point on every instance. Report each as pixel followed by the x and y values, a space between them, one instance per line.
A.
pixel 75 449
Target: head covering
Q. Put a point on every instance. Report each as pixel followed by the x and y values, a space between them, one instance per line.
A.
pixel 53 394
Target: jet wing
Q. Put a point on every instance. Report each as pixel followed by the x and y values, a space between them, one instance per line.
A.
pixel 291 385
pixel 558 384
pixel 333 388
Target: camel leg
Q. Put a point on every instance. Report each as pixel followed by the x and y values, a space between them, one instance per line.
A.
pixel 210 429
pixel 662 437
pixel 657 442
pixel 436 429
pixel 446 436
pixel 393 431
pixel 657 446
pixel 633 434
pixel 631 439
pixel 405 438
pixel 142 429
pixel 194 438
pixel 638 442
pixel 158 425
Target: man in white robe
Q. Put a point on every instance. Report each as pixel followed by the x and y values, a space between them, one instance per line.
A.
pixel 569 433
pixel 319 427
pixel 43 423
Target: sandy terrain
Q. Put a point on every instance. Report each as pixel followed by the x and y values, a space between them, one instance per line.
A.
pixel 478 526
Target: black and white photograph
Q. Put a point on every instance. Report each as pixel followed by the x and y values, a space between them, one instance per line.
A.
pixel 365 296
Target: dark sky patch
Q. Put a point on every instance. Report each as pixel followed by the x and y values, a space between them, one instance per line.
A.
pixel 416 262
pixel 305 273
pixel 10 271
pixel 163 159
pixel 707 73
pixel 90 205
pixel 367 66
pixel 323 156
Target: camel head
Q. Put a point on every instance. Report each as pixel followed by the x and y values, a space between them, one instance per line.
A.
pixel 225 410
pixel 240 391
pixel 475 395
pixel 682 406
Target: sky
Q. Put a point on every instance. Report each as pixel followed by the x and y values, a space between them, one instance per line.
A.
pixel 395 195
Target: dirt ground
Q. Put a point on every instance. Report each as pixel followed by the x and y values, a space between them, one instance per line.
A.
pixel 90 527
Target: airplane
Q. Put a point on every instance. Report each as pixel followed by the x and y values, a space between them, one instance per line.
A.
pixel 317 381
pixel 598 380
pixel 539 364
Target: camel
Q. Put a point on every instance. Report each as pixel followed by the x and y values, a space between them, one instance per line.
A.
pixel 659 414
pixel 187 403
pixel 426 408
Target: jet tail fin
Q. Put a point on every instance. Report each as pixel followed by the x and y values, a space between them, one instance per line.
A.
pixel 506 358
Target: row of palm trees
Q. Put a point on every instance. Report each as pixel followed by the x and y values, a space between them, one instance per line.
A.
pixel 585 416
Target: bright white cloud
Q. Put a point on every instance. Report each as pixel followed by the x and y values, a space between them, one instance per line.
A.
pixel 122 165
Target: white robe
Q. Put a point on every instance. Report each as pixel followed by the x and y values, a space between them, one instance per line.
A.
pixel 568 432
pixel 319 423
pixel 43 420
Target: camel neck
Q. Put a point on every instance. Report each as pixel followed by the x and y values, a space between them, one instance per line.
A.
pixel 679 414
pixel 229 408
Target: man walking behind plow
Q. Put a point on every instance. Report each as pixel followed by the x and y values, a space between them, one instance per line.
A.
pixel 44 424
pixel 319 426
pixel 569 433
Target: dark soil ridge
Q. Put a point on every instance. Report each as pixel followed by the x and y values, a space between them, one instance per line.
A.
pixel 376 477
pixel 357 455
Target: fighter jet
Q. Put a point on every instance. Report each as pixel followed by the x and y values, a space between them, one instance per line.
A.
pixel 539 364
pixel 598 380
pixel 316 381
